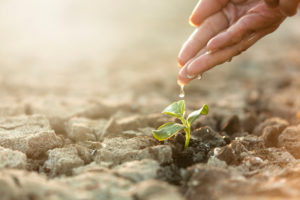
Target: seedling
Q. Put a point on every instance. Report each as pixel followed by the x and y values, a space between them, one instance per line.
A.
pixel 177 109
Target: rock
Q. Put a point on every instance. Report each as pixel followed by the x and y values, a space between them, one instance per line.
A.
pixel 278 122
pixel 138 171
pixel 91 167
pixel 119 150
pixel 23 185
pixel 232 153
pixel 147 131
pixel 131 123
pixel 251 142
pixel 290 139
pixel 170 173
pixel 96 185
pixel 60 110
pixel 253 162
pixel 84 153
pixel 208 136
pixel 276 156
pixel 249 122
pixel 62 161
pixel 232 125
pixel 155 190
pixel 31 135
pixel 140 121
pixel 270 136
pixel 12 159
pixel 206 182
pixel 78 129
pixel 83 129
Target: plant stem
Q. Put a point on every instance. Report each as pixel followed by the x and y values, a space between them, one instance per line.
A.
pixel 187 136
pixel 187 131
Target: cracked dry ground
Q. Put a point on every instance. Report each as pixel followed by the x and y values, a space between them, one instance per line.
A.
pixel 80 128
pixel 52 147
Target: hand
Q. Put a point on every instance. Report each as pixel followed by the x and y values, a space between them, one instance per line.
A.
pixel 225 28
pixel 287 7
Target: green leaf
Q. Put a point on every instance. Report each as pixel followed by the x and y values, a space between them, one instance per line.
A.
pixel 167 130
pixel 194 115
pixel 176 109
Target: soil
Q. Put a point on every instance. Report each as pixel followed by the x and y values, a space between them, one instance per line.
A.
pixel 82 91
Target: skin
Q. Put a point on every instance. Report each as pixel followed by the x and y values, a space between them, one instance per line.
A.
pixel 226 28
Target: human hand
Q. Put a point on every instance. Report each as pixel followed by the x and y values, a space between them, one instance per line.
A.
pixel 225 28
pixel 287 7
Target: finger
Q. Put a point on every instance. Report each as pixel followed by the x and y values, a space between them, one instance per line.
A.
pixel 204 9
pixel 207 61
pixel 289 7
pixel 272 3
pixel 246 25
pixel 212 26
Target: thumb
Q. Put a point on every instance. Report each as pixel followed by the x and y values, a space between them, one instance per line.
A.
pixel 272 3
pixel 289 7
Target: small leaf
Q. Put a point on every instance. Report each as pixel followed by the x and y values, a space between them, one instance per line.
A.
pixel 176 109
pixel 194 115
pixel 167 130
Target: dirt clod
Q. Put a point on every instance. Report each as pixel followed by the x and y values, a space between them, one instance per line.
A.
pixel 290 139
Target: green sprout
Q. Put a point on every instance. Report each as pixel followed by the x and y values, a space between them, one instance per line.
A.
pixel 177 109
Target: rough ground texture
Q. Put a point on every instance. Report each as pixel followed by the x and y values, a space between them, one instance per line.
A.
pixel 82 87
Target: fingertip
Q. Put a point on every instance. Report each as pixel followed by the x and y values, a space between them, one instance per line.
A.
pixel 179 63
pixel 193 22
pixel 182 80
pixel 288 7
pixel 182 77
pixel 288 12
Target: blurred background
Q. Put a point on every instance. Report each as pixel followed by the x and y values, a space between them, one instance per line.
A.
pixel 124 51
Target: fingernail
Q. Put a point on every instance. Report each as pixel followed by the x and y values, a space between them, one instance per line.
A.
pixel 180 83
pixel 192 23
pixel 179 63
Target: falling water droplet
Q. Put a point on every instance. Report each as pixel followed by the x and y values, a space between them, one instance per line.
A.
pixel 199 77
pixel 181 94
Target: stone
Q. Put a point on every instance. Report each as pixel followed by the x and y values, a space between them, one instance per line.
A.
pixel 78 129
pixel 249 122
pixel 105 185
pixel 135 122
pixel 281 124
pixel 31 135
pixel 206 182
pixel 146 131
pixel 84 153
pixel 119 150
pixel 232 153
pixel 155 190
pixel 232 125
pixel 23 185
pixel 12 159
pixel 270 136
pixel 82 129
pixel 208 136
pixel 138 171
pixel 62 161
pixel 290 139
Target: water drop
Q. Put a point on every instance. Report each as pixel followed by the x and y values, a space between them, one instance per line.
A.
pixel 181 94
pixel 199 77
pixel 229 60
